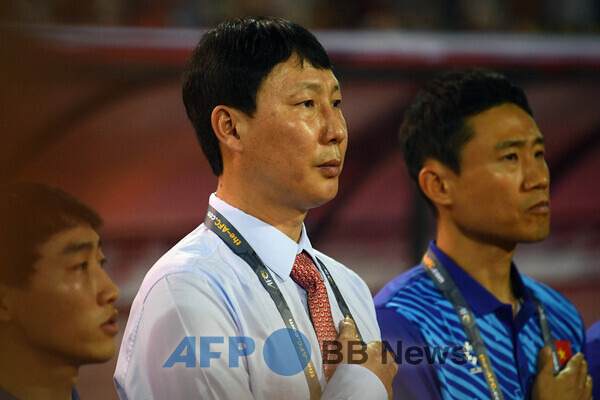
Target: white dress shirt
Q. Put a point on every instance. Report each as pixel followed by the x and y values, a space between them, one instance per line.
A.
pixel 201 290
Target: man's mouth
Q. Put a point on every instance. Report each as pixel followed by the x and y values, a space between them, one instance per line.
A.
pixel 541 207
pixel 331 168
pixel 110 326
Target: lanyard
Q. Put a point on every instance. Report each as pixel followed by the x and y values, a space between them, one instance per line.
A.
pixel 444 282
pixel 340 299
pixel 218 224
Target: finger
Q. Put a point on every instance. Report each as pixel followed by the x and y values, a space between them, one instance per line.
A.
pixel 544 361
pixel 589 385
pixel 347 330
pixel 392 361
pixel 378 351
pixel 574 365
pixel 582 375
pixel 375 346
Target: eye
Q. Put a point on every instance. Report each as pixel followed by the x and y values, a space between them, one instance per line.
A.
pixel 82 266
pixel 337 103
pixel 307 103
pixel 511 157
pixel 103 262
pixel 540 154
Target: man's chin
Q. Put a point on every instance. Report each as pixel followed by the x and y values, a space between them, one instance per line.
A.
pixel 101 355
pixel 323 198
pixel 536 237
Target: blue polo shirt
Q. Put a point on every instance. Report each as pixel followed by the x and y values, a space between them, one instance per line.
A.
pixel 435 359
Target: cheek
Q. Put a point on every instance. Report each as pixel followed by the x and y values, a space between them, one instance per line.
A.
pixel 498 197
pixel 76 293
pixel 343 123
pixel 492 185
pixel 344 145
pixel 296 130
pixel 478 196
pixel 293 139
pixel 43 308
pixel 69 299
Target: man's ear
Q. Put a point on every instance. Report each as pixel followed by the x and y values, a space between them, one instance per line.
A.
pixel 225 123
pixel 434 182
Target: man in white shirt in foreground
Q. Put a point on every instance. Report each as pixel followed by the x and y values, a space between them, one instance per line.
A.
pixel 243 307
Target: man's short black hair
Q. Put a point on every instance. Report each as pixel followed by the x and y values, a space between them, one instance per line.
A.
pixel 229 64
pixel 30 213
pixel 436 123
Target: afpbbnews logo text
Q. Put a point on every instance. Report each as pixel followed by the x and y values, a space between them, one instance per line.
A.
pixel 280 354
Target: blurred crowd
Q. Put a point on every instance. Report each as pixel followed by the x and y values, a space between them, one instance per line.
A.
pixel 581 16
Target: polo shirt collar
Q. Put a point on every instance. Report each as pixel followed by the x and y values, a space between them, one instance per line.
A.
pixel 276 250
pixel 479 298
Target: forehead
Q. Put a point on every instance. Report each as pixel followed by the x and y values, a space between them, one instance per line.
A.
pixel 70 241
pixel 501 123
pixel 293 74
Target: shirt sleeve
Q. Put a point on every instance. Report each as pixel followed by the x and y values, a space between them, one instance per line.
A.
pixel 351 381
pixel 165 361
pixel 418 382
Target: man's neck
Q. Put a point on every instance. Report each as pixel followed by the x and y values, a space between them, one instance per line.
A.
pixel 27 377
pixel 286 219
pixel 489 264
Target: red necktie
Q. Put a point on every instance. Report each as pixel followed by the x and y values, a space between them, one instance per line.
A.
pixel 306 274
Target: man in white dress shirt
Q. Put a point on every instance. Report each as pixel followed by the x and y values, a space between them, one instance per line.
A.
pixel 212 322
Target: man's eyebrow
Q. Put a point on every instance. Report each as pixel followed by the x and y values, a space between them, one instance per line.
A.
pixel 318 86
pixel 76 247
pixel 517 143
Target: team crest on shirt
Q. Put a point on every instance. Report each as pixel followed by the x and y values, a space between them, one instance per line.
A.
pixel 563 349
pixel 471 358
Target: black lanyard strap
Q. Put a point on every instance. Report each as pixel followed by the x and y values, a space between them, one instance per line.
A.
pixel 218 224
pixel 547 334
pixel 444 282
pixel 340 299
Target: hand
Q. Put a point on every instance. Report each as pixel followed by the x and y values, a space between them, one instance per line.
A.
pixel 373 356
pixel 572 383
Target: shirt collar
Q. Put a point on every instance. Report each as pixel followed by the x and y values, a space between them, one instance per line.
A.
pixel 479 298
pixel 274 248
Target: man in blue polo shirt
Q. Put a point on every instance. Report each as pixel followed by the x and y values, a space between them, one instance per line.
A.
pixel 465 323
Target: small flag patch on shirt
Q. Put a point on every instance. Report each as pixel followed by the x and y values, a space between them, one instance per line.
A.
pixel 563 348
